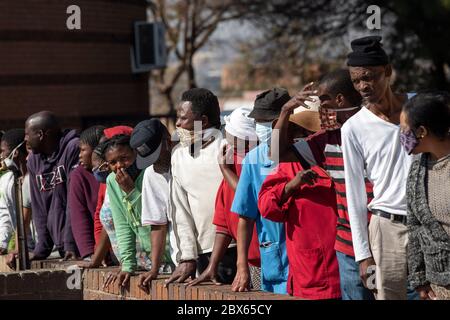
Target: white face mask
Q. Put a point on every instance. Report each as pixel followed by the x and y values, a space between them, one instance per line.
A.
pixel 187 137
pixel 8 162
pixel 264 131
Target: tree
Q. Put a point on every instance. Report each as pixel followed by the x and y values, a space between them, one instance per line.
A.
pixel 415 32
pixel 189 25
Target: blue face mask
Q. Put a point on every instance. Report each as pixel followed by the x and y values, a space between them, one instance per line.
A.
pixel 100 176
pixel 264 131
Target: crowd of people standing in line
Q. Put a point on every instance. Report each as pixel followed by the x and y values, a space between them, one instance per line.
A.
pixel 338 192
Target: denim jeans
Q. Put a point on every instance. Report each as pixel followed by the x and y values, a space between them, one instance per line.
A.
pixel 351 285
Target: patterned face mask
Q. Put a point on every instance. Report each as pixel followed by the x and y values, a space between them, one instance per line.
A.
pixel 328 118
pixel 409 141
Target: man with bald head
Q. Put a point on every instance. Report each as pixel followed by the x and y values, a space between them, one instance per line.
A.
pixel 54 156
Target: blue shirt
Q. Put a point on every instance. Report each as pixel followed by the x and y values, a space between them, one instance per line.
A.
pixel 271 235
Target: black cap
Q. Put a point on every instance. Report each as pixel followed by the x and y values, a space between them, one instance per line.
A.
pixel 367 51
pixel 269 103
pixel 146 139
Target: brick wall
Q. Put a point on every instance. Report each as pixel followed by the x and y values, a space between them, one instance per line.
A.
pixel 37 285
pixel 79 74
pixel 49 275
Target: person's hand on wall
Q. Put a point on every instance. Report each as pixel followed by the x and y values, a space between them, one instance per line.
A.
pixel 241 281
pixel 184 270
pixel 69 255
pixel 111 278
pixel 208 275
pixel 145 280
pixel 123 278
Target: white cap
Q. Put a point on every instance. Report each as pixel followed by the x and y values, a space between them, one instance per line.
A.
pixel 240 125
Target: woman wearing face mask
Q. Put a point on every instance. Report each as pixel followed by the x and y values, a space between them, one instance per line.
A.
pixel 124 187
pixel 425 123
pixel 104 231
pixel 83 193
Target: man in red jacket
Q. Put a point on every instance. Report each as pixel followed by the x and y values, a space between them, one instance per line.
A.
pixel 305 200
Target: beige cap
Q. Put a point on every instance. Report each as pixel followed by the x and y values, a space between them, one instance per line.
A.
pixel 310 120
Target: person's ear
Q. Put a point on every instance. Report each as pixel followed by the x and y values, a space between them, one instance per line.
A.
pixel 41 134
pixel 422 132
pixel 388 70
pixel 205 122
pixel 340 100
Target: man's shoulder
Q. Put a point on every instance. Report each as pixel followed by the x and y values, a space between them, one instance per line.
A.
pixel 354 123
pixel 73 143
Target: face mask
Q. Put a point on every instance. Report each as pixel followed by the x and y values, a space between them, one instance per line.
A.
pixel 100 176
pixel 188 137
pixel 409 141
pixel 133 171
pixel 8 162
pixel 328 118
pixel 264 131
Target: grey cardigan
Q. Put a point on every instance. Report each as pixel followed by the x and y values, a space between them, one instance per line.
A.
pixel 429 244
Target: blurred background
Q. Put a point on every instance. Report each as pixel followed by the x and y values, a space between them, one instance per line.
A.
pixel 112 70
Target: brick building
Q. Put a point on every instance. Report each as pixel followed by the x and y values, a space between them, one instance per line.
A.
pixel 84 76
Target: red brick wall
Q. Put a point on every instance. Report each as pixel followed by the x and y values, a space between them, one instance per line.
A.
pixel 94 279
pixel 82 75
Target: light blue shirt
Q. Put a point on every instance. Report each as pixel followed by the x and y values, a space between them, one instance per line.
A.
pixel 271 235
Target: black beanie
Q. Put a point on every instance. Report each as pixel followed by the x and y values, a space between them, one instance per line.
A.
pixel 367 51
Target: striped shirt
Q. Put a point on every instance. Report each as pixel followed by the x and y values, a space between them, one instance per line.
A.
pixel 326 148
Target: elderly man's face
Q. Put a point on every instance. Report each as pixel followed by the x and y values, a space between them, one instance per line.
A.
pixel 371 82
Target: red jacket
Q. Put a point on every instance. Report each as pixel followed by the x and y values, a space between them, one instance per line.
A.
pixel 98 227
pixel 310 216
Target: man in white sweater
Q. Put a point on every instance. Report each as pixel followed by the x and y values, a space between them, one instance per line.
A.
pixel 196 179
pixel 370 141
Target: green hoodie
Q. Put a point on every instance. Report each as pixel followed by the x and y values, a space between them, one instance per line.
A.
pixel 126 212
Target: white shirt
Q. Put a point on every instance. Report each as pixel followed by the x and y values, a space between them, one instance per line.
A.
pixel 373 143
pixel 155 197
pixel 194 188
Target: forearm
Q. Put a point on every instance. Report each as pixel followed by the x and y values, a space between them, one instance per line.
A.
pixel 221 243
pixel 158 240
pixel 230 177
pixel 27 220
pixel 356 196
pixel 101 249
pixel 288 190
pixel 244 237
pixel 280 137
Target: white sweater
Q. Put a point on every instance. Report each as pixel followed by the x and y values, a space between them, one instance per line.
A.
pixel 194 188
pixel 373 143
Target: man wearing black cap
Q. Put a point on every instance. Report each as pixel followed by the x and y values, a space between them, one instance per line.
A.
pixel 370 141
pixel 256 166
pixel 152 142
